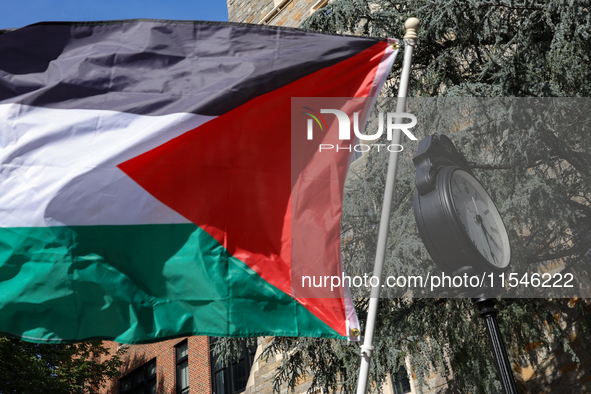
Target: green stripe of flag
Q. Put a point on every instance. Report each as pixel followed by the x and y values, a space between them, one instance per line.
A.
pixel 136 284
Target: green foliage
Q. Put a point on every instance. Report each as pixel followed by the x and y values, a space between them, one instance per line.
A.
pixel 531 153
pixel 442 335
pixel 480 48
pixel 227 349
pixel 31 368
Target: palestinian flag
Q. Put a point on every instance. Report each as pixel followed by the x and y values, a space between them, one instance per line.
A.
pixel 149 186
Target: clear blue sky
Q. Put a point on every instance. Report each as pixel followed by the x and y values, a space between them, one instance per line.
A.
pixel 15 13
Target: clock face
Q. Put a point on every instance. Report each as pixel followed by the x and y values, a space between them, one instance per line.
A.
pixel 480 218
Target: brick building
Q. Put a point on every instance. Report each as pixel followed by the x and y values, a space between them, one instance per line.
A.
pixel 179 366
pixel 174 366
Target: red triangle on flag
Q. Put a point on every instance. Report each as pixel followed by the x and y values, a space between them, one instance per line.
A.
pixel 232 175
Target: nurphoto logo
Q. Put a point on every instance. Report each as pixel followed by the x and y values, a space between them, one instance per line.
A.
pixel 394 121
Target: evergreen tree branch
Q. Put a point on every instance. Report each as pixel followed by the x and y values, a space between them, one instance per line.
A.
pixel 513 7
pixel 574 251
pixel 559 148
pixel 584 208
pixel 489 166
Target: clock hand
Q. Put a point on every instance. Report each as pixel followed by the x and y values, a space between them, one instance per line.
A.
pixel 486 236
pixel 489 236
pixel 494 242
pixel 468 208
pixel 475 206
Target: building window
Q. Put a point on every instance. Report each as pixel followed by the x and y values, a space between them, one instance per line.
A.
pixel 141 380
pixel 231 379
pixel 182 367
pixel 400 381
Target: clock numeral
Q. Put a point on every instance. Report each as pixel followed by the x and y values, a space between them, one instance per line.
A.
pixel 494 230
pixel 484 253
pixel 487 212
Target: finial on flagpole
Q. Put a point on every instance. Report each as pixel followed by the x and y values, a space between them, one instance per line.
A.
pixel 412 26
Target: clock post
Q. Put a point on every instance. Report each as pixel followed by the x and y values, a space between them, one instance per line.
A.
pixel 488 313
pixel 463 232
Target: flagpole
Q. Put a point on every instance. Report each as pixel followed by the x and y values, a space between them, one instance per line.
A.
pixel 410 40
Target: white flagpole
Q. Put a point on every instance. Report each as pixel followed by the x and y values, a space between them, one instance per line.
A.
pixel 410 40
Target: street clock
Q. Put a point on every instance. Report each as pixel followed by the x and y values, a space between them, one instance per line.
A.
pixel 456 217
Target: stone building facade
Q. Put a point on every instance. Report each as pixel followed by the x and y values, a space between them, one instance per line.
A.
pixel 551 372
pixel 289 13
pixel 262 372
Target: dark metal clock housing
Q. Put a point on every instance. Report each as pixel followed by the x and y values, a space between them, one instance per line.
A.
pixel 457 219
